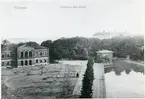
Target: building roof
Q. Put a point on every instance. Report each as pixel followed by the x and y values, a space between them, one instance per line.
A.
pixel 104 51
pixel 34 46
pixel 9 47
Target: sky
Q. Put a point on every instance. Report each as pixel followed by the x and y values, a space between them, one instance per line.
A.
pixel 49 19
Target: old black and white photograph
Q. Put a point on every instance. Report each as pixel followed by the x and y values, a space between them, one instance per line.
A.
pixel 72 49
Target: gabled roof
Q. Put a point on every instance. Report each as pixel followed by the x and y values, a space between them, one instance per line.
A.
pixel 9 47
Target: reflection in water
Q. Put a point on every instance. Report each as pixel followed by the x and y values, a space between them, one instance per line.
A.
pixel 124 80
pixel 120 66
pixel 127 71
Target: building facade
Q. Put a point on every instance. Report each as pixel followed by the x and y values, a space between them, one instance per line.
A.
pixel 5 58
pixel 24 55
pixel 105 56
pixel 31 56
pixel 8 54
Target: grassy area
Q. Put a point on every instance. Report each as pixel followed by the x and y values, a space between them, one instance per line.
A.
pixel 40 82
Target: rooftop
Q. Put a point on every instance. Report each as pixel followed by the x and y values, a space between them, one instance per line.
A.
pixel 34 46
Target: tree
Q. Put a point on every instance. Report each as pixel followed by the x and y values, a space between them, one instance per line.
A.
pixel 47 43
pixel 86 91
pixel 85 52
pixel 81 47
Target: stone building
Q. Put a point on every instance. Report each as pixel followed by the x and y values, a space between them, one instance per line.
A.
pixel 8 54
pixel 104 56
pixel 23 55
pixel 6 59
pixel 31 56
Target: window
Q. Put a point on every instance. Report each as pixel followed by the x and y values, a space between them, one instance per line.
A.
pixel 8 55
pixel 22 63
pixel 30 54
pixel 26 54
pixel 3 56
pixel 37 61
pixel 40 61
pixel 21 55
pixel 8 63
pixel 3 63
pixel 26 63
pixel 44 60
pixel 30 62
pixel 45 53
pixel 41 53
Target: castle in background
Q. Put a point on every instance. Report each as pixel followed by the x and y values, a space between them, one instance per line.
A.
pixel 23 55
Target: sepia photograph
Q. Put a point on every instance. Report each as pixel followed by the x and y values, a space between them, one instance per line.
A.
pixel 72 49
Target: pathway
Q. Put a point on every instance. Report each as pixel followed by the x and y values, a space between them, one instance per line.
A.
pixel 134 62
pixel 99 90
pixel 77 89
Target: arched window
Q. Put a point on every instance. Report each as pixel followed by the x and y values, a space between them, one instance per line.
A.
pixel 40 61
pixel 3 63
pixel 36 54
pixel 8 63
pixel 26 63
pixel 44 60
pixel 30 62
pixel 26 54
pixel 30 54
pixel 21 54
pixel 37 61
pixel 45 53
pixel 41 53
pixel 8 55
pixel 22 63
pixel 3 56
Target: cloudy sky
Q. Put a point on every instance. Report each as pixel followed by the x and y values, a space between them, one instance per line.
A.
pixel 49 19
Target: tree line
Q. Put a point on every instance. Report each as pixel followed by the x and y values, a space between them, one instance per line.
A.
pixel 80 48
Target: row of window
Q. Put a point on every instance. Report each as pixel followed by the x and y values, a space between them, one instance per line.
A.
pixel 26 62
pixel 5 55
pixel 41 53
pixel 29 54
pixel 7 63
pixel 41 61
pixel 29 62
pixel 26 54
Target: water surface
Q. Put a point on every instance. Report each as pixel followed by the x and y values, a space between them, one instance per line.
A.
pixel 125 80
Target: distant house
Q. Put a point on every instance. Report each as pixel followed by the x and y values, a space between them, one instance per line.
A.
pixel 24 55
pixel 104 56
pixel 8 54
pixel 108 35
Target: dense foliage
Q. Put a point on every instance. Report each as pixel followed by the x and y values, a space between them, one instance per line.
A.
pixel 81 47
pixel 86 91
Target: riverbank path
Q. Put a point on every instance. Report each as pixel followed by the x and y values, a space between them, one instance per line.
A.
pixel 99 89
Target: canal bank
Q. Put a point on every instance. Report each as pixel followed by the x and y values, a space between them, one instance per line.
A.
pixel 99 89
